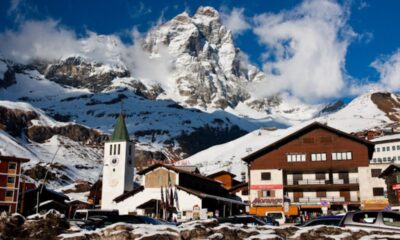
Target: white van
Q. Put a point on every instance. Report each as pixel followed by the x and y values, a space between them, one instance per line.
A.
pixel 278 216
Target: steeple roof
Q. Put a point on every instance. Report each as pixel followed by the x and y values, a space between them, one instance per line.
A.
pixel 120 132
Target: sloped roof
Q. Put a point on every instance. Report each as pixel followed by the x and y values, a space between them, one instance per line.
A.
pixel 222 172
pixel 175 169
pixel 239 186
pixel 387 138
pixel 126 195
pixel 120 131
pixel 390 169
pixel 292 135
pixel 13 159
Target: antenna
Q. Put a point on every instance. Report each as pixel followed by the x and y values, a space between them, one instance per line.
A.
pixel 122 107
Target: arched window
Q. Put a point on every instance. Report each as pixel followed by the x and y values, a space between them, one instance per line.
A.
pixel 115 149
pixel 110 149
pixel 119 149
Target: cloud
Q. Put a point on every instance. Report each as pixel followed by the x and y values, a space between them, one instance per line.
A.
pixel 50 41
pixel 389 71
pixel 38 40
pixel 306 50
pixel 235 20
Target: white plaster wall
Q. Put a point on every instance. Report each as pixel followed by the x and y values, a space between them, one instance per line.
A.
pixel 310 194
pixel 291 196
pixel 255 179
pixel 309 176
pixel 367 182
pixel 332 194
pixel 354 196
pixel 186 200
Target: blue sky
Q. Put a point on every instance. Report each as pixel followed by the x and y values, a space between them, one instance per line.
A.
pixel 362 51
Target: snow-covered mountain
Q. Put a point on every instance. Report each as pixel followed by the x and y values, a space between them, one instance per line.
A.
pixel 372 111
pixel 183 88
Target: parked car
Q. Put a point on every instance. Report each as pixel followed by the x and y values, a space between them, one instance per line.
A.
pixel 243 219
pixel 270 221
pixel 277 216
pixel 84 214
pixel 380 220
pixel 323 220
pixel 103 221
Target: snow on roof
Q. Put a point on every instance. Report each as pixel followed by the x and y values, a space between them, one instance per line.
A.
pixel 392 137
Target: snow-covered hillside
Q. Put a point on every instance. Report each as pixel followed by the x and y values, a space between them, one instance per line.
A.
pixel 359 115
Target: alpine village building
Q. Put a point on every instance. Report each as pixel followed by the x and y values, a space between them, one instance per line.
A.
pixel 165 191
pixel 315 169
pixel 10 178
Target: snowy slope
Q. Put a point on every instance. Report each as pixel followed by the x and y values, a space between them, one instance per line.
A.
pixel 360 114
pixel 72 160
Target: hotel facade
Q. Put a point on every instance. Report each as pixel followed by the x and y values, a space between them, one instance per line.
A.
pixel 316 168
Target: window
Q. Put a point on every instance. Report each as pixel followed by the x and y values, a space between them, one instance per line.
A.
pixel 110 149
pixel 9 193
pixel 398 158
pixel 377 192
pixel 393 148
pixel 119 149
pixel 320 176
pixel 383 149
pixel 265 176
pixel 267 193
pixel 10 179
pixel 378 149
pixel 296 157
pixel 318 157
pixel 365 217
pixel 376 172
pixel 384 159
pixel 115 149
pixel 391 219
pixel 388 148
pixel 342 156
pixel 130 150
pixel 12 165
pixel 243 176
pixel 398 147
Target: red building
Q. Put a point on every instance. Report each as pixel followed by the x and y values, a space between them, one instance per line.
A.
pixel 10 172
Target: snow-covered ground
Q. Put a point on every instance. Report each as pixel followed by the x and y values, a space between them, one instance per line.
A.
pixel 210 229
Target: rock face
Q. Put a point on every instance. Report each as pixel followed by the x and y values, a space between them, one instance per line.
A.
pixel 208 70
pixel 388 103
pixel 18 123
pixel 76 72
pixel 15 122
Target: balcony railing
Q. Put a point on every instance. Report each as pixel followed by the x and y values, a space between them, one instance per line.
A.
pixel 320 199
pixel 322 182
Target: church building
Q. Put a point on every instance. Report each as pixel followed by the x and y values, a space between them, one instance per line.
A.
pixel 165 191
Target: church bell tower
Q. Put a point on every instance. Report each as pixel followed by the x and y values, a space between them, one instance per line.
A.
pixel 118 165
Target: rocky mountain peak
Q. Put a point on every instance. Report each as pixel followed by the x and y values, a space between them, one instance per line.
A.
pixel 208 70
pixel 207 11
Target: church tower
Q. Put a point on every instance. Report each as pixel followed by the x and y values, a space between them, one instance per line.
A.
pixel 118 166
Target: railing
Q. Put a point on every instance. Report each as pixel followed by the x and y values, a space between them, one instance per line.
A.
pixel 320 199
pixel 322 182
